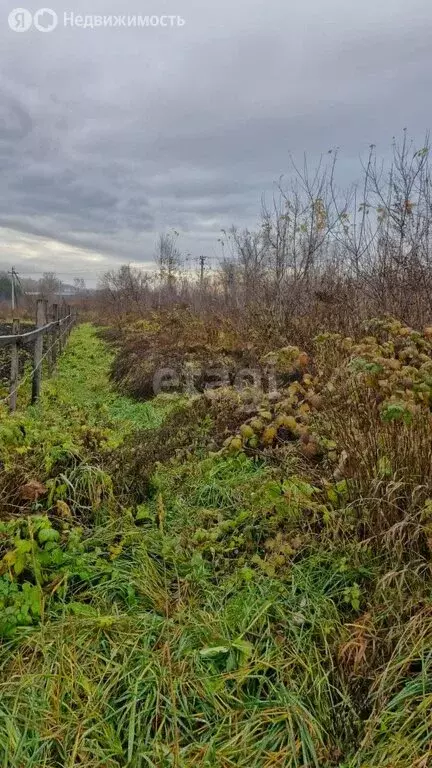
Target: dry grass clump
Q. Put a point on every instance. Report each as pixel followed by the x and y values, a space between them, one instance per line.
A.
pixel 199 350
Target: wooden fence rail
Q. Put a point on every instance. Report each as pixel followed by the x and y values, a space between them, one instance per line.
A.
pixel 54 327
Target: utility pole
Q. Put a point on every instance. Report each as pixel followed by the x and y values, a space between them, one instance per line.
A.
pixel 202 260
pixel 12 274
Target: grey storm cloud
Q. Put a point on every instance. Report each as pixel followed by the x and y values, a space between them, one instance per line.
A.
pixel 111 135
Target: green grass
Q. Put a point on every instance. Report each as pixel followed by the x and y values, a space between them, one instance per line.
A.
pixel 230 619
pixel 78 414
pixel 83 382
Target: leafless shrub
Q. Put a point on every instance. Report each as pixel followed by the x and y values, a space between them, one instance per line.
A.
pixel 322 258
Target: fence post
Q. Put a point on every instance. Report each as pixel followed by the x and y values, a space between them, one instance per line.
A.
pixel 55 313
pixel 41 313
pixel 61 327
pixel 69 325
pixel 14 372
pixel 50 350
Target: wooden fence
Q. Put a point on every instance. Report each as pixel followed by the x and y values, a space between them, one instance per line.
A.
pixel 48 339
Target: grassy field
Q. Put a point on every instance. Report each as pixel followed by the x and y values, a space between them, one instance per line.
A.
pixel 184 583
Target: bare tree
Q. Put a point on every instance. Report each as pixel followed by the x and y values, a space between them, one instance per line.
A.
pixel 79 285
pixel 125 291
pixel 50 286
pixel 321 252
pixel 168 258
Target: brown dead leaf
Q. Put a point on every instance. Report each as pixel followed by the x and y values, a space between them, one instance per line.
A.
pixel 32 490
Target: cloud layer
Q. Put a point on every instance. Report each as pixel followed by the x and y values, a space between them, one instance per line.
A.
pixel 108 136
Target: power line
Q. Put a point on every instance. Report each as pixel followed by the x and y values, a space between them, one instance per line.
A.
pixel 71 273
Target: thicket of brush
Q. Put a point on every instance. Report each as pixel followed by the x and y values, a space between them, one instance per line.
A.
pixel 322 257
pixel 313 502
pixel 231 579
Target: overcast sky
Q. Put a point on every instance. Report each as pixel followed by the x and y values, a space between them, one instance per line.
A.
pixel 111 135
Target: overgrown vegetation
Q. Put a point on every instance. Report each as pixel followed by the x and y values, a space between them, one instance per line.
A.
pixel 231 578
pixel 321 258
